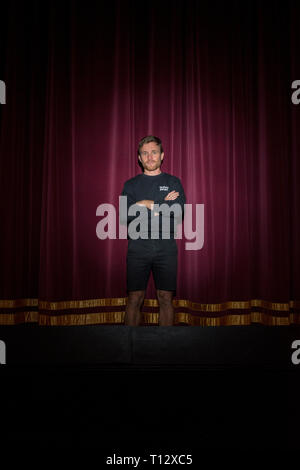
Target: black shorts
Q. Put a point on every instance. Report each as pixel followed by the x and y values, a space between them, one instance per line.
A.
pixel 158 256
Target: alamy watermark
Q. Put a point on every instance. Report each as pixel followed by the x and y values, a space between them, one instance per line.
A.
pixel 2 352
pixel 296 94
pixel 295 357
pixel 2 92
pixel 138 226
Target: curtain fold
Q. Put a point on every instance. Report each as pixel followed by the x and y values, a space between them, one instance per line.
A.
pixel 84 84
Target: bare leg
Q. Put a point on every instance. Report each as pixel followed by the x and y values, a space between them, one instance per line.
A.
pixel 133 307
pixel 166 309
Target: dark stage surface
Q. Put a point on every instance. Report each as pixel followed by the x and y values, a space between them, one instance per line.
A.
pixel 119 346
pixel 122 389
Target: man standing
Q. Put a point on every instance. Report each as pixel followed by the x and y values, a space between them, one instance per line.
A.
pixel 156 249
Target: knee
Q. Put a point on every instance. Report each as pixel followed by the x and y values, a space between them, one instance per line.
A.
pixel 165 297
pixel 135 299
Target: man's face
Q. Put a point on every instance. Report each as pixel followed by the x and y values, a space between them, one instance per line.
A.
pixel 150 156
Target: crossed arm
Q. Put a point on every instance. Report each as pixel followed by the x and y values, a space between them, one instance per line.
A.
pixel 177 196
pixel 149 204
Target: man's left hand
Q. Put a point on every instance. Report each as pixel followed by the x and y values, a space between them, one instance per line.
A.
pixel 171 196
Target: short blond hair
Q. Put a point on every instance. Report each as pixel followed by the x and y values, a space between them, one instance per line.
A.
pixel 147 140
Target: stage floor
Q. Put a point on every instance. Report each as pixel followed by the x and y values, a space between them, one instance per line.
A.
pixel 116 345
pixel 159 389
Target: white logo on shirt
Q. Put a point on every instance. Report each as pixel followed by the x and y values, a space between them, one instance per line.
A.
pixel 164 188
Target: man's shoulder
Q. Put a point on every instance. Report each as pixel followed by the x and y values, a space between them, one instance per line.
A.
pixel 133 180
pixel 171 177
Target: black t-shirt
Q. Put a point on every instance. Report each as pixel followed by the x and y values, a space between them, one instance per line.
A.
pixel 154 188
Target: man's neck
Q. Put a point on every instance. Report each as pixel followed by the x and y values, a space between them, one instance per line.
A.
pixel 152 173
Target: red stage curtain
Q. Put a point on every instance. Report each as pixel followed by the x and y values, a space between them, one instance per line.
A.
pixel 83 85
